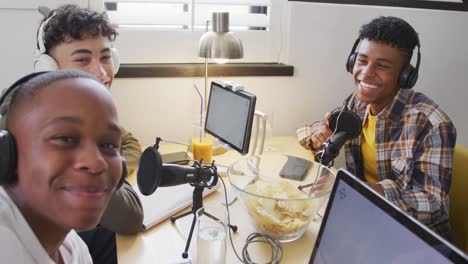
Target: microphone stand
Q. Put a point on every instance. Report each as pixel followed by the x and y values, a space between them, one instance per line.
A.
pixel 197 204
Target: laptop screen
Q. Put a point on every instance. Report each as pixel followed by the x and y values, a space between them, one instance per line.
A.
pixel 360 226
pixel 230 115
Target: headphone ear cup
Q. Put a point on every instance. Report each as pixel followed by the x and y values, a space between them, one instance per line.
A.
pixel 115 59
pixel 350 62
pixel 123 176
pixel 44 62
pixel 413 78
pixel 408 77
pixel 7 158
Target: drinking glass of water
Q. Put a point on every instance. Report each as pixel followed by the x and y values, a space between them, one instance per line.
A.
pixel 211 235
pixel 268 147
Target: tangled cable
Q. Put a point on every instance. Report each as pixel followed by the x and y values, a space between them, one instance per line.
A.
pixel 276 248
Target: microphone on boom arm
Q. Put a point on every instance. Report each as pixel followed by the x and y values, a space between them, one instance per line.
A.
pixel 345 125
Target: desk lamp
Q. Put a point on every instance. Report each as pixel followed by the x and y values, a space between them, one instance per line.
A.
pixel 221 45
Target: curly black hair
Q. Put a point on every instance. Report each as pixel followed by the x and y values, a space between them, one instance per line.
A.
pixel 75 22
pixel 391 30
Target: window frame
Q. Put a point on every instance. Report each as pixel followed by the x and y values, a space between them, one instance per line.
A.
pixel 423 4
pixel 198 70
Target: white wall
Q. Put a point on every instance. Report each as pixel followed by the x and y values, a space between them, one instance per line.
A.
pixel 19 21
pixel 167 107
pixel 17 44
pixel 320 38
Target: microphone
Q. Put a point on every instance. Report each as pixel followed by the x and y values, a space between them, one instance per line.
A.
pixel 345 125
pixel 153 173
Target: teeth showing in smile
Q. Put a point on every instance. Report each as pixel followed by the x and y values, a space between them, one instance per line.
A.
pixel 368 85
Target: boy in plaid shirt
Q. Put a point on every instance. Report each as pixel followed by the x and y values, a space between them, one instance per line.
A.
pixel 405 150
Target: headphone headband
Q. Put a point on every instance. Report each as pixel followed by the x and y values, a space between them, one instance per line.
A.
pixel 40 36
pixel 13 87
pixel 418 59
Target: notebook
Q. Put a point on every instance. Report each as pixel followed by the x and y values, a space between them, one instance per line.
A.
pixel 166 202
pixel 361 226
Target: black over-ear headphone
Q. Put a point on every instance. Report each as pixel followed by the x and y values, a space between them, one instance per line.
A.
pixel 8 153
pixel 408 76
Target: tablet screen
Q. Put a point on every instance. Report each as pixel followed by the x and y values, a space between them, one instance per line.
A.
pixel 230 115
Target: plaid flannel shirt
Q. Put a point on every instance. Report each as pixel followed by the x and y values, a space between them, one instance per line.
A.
pixel 415 141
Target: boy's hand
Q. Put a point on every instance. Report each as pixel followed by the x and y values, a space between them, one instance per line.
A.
pixel 323 133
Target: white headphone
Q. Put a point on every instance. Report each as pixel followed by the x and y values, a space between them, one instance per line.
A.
pixel 44 62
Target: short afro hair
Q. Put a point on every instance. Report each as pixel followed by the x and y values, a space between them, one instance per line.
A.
pixel 32 84
pixel 391 30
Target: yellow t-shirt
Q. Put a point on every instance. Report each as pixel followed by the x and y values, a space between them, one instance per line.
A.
pixel 368 149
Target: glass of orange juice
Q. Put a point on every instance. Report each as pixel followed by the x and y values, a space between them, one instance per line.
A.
pixel 202 148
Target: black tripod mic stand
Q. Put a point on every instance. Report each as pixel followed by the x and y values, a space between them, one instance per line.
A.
pixel 198 203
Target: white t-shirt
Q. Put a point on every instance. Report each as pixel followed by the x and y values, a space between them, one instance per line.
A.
pixel 19 244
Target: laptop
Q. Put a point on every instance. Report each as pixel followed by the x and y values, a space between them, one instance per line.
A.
pixel 361 226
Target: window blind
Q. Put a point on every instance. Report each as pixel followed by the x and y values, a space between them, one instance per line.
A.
pixel 188 14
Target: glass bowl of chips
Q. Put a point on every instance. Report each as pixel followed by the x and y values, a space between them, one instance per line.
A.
pixel 282 194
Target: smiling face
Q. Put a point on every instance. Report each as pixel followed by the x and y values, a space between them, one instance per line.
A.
pixel 90 54
pixel 68 154
pixel 376 73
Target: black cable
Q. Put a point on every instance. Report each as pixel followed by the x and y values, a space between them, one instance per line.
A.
pixel 275 245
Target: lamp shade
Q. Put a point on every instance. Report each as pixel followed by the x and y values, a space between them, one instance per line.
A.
pixel 220 43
